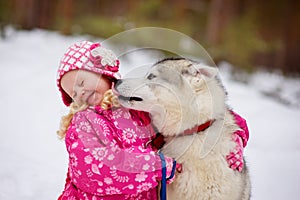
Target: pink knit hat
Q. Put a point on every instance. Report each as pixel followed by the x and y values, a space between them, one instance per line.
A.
pixel 87 56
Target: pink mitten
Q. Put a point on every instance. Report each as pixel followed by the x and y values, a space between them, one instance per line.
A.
pixel 235 158
pixel 178 169
pixel 170 170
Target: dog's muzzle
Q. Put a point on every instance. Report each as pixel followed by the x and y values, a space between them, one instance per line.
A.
pixel 123 97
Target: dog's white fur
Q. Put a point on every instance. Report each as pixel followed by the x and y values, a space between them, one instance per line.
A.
pixel 179 94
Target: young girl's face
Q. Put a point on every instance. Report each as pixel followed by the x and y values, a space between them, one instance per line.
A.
pixel 85 87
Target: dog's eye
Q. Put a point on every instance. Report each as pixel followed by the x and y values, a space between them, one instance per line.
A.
pixel 151 76
pixel 185 71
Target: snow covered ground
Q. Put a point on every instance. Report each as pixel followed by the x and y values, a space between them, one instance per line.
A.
pixel 33 161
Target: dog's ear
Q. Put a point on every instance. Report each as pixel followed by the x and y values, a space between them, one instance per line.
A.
pixel 207 71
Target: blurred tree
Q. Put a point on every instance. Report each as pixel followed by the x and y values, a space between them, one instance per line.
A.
pixel 279 25
pixel 247 33
pixel 251 33
pixel 291 36
pixel 66 14
pixel 5 8
pixel 221 14
pixel 33 13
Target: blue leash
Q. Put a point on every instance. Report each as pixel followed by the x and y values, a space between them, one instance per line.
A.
pixel 163 189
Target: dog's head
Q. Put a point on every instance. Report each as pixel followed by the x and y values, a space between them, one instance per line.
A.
pixel 178 93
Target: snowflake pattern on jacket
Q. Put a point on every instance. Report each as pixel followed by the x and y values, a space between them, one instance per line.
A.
pixel 107 157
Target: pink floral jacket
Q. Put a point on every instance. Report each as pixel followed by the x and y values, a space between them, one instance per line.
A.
pixel 107 157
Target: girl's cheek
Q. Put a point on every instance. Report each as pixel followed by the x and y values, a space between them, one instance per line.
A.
pixel 91 86
pixel 95 99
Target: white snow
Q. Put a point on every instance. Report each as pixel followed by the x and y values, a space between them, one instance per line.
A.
pixel 33 161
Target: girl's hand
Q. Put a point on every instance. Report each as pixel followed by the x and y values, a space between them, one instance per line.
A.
pixel 240 137
pixel 235 158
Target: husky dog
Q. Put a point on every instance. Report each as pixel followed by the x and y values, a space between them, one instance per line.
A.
pixel 186 101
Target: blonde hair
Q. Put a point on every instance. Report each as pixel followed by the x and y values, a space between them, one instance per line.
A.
pixel 109 100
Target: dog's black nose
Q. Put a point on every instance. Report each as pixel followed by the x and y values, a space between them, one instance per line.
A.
pixel 118 82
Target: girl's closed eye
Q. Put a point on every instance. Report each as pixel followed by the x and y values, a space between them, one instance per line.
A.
pixel 74 96
pixel 81 83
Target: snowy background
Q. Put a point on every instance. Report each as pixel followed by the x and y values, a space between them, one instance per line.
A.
pixel 33 161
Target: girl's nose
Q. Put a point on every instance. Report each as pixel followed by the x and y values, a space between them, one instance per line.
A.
pixel 81 95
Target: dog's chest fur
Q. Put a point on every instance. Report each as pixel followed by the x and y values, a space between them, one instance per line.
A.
pixel 207 174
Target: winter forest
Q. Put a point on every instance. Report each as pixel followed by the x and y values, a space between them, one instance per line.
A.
pixel 246 33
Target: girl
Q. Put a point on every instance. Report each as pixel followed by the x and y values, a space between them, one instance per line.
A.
pixel 108 158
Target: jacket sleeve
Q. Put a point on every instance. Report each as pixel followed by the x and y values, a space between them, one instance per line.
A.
pixel 240 137
pixel 243 133
pixel 99 165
